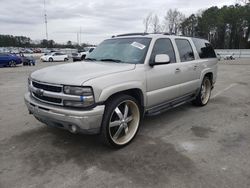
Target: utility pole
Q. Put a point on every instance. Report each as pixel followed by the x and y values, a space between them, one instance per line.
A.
pixel 80 35
pixel 45 20
pixel 77 37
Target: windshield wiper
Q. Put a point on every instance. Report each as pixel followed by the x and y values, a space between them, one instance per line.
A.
pixel 90 59
pixel 113 60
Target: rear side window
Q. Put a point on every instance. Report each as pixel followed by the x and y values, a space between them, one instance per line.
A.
pixel 163 46
pixel 204 48
pixel 185 50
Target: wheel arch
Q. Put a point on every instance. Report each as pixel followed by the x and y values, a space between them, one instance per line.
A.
pixel 131 89
pixel 209 75
pixel 134 92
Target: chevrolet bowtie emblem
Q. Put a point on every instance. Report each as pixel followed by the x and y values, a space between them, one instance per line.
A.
pixel 39 92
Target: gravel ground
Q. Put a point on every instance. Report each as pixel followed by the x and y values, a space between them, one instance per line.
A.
pixel 184 147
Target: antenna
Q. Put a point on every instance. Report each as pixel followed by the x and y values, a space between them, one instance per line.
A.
pixel 45 20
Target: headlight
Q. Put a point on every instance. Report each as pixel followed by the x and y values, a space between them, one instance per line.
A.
pixel 86 96
pixel 81 91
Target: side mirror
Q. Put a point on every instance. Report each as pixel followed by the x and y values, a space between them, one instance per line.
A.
pixel 161 59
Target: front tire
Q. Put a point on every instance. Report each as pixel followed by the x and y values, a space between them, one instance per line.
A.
pixel 50 59
pixel 121 121
pixel 66 59
pixel 83 57
pixel 204 94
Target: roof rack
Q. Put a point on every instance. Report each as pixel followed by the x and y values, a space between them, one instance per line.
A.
pixel 129 34
pixel 143 34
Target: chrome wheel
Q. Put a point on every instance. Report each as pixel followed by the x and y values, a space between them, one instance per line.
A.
pixel 205 91
pixel 124 122
pixel 12 63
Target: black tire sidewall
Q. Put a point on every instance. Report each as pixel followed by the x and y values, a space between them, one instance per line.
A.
pixel 109 108
pixel 83 57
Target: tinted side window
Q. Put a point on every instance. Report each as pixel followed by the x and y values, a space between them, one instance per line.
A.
pixel 185 50
pixel 163 46
pixel 91 49
pixel 204 48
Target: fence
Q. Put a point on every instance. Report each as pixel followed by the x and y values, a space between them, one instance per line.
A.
pixel 236 53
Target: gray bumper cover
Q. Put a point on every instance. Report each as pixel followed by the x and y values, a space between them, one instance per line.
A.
pixel 86 121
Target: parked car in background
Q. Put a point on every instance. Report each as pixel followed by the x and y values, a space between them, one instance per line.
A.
pixel 9 60
pixel 82 54
pixel 229 57
pixel 27 60
pixel 27 51
pixel 54 56
pixel 37 50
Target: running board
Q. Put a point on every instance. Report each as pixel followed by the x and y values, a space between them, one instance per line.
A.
pixel 169 105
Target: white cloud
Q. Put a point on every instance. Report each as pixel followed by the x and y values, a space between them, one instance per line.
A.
pixel 98 19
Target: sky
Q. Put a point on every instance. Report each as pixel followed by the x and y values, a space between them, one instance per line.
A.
pixel 97 19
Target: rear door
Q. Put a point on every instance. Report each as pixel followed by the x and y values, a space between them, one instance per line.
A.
pixel 58 56
pixel 188 66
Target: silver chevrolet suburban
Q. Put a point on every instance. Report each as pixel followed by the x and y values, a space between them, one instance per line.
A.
pixel 123 79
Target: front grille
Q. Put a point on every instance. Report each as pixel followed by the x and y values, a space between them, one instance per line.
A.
pixel 46 87
pixel 48 99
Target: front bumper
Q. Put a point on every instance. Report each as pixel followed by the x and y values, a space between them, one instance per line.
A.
pixel 88 121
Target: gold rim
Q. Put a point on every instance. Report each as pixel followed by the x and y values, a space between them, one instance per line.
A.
pixel 124 122
pixel 205 91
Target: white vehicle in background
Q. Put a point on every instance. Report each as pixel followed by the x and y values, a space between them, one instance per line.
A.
pixel 230 57
pixel 54 56
pixel 82 54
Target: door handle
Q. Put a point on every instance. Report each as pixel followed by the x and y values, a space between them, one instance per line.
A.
pixel 177 70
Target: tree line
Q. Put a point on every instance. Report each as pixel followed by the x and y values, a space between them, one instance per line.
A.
pixel 26 42
pixel 227 27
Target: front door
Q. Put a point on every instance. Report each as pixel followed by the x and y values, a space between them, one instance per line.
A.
pixel 163 80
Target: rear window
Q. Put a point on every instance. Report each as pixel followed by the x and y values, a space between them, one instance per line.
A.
pixel 204 48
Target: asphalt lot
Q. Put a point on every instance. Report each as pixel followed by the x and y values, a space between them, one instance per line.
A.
pixel 184 147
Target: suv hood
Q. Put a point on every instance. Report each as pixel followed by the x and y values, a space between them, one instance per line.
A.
pixel 78 73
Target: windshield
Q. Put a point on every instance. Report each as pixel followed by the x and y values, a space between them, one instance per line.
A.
pixel 121 50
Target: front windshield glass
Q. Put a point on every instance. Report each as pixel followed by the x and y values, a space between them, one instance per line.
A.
pixel 121 50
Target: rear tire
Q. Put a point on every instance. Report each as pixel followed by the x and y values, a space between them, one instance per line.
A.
pixel 12 64
pixel 121 121
pixel 66 59
pixel 204 94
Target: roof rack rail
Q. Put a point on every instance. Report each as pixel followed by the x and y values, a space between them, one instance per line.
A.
pixel 161 33
pixel 129 34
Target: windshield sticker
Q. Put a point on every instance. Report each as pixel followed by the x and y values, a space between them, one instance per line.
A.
pixel 138 45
